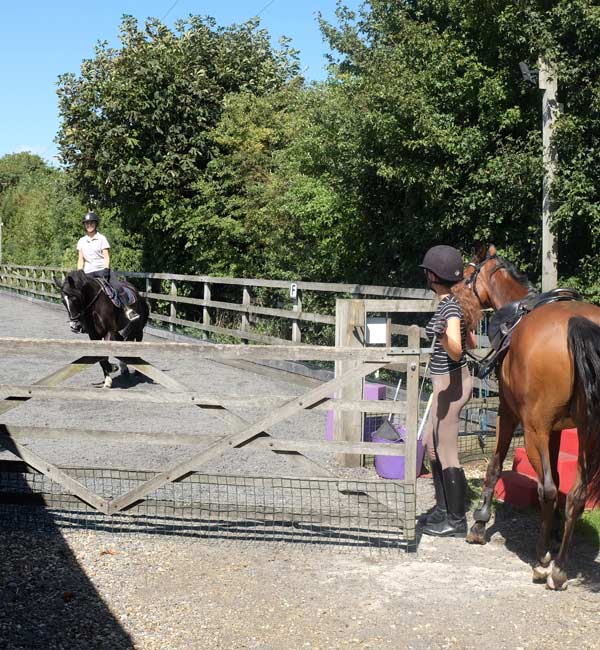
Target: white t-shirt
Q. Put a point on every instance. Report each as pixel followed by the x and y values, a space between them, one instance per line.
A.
pixel 91 249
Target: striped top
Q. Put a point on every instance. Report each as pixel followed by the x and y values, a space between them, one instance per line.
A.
pixel 441 363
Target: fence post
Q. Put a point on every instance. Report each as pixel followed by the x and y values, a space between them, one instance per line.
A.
pixel 246 298
pixel 349 332
pixel 296 332
pixel 412 406
pixel 206 320
pixel 173 309
pixel 148 290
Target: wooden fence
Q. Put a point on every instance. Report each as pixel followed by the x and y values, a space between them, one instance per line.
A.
pixel 214 316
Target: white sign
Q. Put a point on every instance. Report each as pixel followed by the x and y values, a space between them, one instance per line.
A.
pixel 376 330
pixel 293 290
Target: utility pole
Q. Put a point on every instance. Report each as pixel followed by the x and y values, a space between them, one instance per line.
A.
pixel 1 224
pixel 550 112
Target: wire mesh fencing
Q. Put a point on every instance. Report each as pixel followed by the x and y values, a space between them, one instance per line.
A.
pixel 341 512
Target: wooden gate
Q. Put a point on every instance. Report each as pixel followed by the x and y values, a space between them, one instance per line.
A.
pixel 242 432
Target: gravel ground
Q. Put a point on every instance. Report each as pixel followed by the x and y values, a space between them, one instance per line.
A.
pixel 80 589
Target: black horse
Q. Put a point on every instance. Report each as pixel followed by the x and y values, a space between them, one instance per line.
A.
pixel 87 302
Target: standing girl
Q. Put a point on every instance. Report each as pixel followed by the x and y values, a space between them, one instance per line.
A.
pixel 451 325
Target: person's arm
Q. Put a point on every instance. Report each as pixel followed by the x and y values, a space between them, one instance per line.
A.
pixel 471 341
pixel 106 255
pixel 451 339
pixel 80 261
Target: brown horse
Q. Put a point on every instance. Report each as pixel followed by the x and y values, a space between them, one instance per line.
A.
pixel 549 380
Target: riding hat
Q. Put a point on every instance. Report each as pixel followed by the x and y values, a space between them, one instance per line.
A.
pixel 445 261
pixel 90 216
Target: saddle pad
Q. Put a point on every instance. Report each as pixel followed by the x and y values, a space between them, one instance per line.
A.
pixel 127 294
pixel 121 299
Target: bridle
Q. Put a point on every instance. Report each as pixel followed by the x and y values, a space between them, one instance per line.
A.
pixel 471 281
pixel 84 309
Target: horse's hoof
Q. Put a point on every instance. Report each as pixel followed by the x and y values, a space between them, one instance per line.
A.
pixel 108 382
pixel 541 573
pixel 557 579
pixel 477 534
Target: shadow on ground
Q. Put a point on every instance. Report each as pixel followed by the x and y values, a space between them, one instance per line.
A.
pixel 46 599
pixel 520 529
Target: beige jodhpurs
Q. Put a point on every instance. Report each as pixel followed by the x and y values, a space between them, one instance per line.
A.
pixel 450 393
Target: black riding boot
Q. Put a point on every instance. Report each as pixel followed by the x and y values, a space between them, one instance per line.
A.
pixel 455 524
pixel 438 513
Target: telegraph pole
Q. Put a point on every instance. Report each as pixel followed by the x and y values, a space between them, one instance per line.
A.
pixel 550 112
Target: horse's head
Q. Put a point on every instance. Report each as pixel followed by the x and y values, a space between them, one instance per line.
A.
pixel 71 293
pixel 494 280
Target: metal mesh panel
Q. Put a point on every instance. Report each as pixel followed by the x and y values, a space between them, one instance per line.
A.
pixel 357 513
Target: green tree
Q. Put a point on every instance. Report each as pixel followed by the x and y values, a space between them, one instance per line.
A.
pixel 445 134
pixel 40 215
pixel 16 166
pixel 136 123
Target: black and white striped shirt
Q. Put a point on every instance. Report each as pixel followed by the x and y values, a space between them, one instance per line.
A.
pixel 441 363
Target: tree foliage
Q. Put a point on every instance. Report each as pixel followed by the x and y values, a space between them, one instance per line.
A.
pixel 207 152
pixel 136 126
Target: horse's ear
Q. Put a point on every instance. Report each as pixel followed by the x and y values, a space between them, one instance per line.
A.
pixel 479 252
pixel 492 251
pixel 70 280
pixel 56 282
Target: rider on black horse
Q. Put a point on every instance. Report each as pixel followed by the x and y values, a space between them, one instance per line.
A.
pixel 94 260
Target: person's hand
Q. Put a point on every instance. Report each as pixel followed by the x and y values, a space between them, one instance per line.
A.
pixel 107 274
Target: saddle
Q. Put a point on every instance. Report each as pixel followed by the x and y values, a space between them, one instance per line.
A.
pixel 505 320
pixel 119 299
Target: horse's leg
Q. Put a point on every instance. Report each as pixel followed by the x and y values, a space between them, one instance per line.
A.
pixel 537 444
pixel 506 423
pixel 104 362
pixel 108 367
pixel 557 578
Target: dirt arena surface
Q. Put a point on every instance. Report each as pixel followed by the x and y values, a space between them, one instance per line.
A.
pixel 78 589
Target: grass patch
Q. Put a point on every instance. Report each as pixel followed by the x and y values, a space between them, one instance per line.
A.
pixel 588 526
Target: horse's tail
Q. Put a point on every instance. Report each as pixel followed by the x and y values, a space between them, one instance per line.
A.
pixel 584 344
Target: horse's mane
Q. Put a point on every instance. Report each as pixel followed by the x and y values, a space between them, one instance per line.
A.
pixel 78 280
pixel 514 273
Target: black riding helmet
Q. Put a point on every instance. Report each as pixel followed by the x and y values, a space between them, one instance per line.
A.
pixel 445 261
pixel 90 216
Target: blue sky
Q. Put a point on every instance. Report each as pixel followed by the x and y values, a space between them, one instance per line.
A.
pixel 40 40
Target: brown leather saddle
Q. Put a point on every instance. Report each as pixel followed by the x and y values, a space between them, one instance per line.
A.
pixel 505 320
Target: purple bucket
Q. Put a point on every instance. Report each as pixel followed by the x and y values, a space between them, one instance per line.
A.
pixel 371 422
pixel 393 467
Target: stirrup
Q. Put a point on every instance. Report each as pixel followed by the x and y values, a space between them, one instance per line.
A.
pixel 130 314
